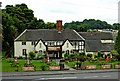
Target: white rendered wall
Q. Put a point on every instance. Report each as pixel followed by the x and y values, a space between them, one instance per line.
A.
pixel 18 48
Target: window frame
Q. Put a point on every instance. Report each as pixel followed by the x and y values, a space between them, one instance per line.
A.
pixel 24 51
pixel 23 43
pixel 33 43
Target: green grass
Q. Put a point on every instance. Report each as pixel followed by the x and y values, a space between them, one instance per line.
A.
pixel 97 63
pixel 6 67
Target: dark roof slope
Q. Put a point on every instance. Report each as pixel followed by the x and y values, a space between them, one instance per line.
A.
pixel 48 34
pixel 96 45
pixel 96 35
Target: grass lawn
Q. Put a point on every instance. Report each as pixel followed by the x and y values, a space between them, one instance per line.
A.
pixel 97 63
pixel 6 66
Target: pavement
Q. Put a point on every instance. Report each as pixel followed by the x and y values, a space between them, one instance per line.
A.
pixel 57 61
pixel 6 74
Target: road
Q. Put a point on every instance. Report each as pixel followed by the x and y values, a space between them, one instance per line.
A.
pixel 62 77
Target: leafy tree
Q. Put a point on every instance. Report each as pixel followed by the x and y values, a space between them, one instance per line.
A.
pixel 88 24
pixel 117 43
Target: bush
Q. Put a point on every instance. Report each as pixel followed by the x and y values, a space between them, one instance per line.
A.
pixel 3 54
pixel 20 57
pixel 89 55
pixel 95 55
pixel 32 55
pixel 81 58
pixel 43 67
pixel 82 53
pixel 99 53
pixel 115 54
pixel 65 55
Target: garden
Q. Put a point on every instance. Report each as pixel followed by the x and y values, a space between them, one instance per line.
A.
pixel 97 61
pixel 17 64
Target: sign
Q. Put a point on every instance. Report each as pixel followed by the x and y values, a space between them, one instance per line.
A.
pixel 54 67
pixel 48 59
pixel 91 67
pixel 27 61
pixel 53 48
pixel 27 68
pixel 16 59
pixel 117 66
pixel 106 66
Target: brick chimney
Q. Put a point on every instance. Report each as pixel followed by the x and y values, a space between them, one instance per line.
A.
pixel 59 25
pixel 15 35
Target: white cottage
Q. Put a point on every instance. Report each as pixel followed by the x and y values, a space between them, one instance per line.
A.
pixel 55 41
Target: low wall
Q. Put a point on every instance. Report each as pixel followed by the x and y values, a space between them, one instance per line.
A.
pixel 28 68
pixel 91 67
pixel 54 67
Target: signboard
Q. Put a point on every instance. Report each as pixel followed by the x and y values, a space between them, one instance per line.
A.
pixel 91 67
pixel 106 66
pixel 27 68
pixel 54 67
pixel 53 48
pixel 117 66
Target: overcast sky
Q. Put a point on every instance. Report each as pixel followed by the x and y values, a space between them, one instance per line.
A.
pixel 71 10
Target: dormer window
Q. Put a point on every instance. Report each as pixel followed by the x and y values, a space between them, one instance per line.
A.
pixel 23 43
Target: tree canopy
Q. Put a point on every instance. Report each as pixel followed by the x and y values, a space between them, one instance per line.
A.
pixel 89 24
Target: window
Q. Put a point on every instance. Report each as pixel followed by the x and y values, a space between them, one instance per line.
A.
pixel 24 52
pixel 33 43
pixel 67 45
pixel 54 43
pixel 40 52
pixel 45 43
pixel 67 52
pixel 40 45
pixel 23 43
pixel 57 43
pixel 50 43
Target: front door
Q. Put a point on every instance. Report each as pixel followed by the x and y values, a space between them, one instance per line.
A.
pixel 60 55
pixel 56 54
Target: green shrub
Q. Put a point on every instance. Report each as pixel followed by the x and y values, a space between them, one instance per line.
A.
pixel 89 55
pixel 44 67
pixel 99 53
pixel 81 58
pixel 31 55
pixel 3 54
pixel 95 55
pixel 82 53
pixel 20 57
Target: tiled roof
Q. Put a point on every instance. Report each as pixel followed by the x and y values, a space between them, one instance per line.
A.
pixel 48 34
pixel 96 35
pixel 96 45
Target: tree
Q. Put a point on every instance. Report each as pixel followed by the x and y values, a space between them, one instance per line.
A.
pixel 117 43
pixel 90 24
pixel 115 53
